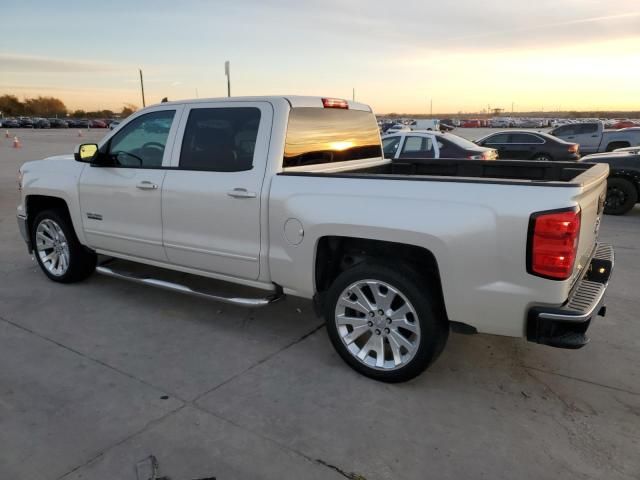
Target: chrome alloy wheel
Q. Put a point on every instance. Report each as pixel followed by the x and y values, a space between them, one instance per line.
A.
pixel 377 324
pixel 52 247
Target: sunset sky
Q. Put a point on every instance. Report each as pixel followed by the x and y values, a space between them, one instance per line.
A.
pixel 465 54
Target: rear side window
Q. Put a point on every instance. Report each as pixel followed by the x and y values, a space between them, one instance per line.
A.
pixel 417 147
pixel 587 128
pixel 525 138
pixel 327 135
pixel 220 139
pixel 499 138
pixel 448 149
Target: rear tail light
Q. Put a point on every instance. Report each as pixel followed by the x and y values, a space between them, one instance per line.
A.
pixel 334 103
pixel 553 243
pixel 573 148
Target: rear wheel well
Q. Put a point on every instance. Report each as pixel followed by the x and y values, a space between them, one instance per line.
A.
pixel 613 145
pixel 336 254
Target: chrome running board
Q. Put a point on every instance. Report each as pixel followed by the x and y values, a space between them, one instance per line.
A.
pixel 108 268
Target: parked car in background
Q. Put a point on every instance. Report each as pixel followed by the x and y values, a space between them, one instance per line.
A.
pixel 593 138
pixel 398 127
pixel 80 123
pixel 628 149
pixel 428 124
pixel 114 124
pixel 25 122
pixel 97 124
pixel 501 123
pixel 526 145
pixel 624 124
pixel 474 123
pixel 58 123
pixel 10 123
pixel 623 184
pixel 429 144
pixel 41 123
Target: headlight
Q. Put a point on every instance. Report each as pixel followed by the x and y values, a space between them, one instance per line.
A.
pixel 20 180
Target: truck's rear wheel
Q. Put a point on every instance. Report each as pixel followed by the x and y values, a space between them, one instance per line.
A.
pixel 56 247
pixel 621 196
pixel 384 322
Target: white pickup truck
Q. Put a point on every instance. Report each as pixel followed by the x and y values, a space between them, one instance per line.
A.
pixel 292 196
pixel 593 138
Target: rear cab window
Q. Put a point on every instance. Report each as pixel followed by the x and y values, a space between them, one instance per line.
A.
pixel 318 136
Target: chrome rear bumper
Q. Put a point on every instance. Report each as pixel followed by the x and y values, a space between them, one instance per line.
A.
pixel 565 326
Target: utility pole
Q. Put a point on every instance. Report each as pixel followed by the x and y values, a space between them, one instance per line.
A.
pixel 227 72
pixel 431 108
pixel 197 96
pixel 353 95
pixel 142 88
pixel 512 108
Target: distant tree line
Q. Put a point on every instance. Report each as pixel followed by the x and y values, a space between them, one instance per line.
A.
pixel 11 106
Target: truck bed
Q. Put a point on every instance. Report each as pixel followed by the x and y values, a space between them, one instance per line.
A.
pixel 568 174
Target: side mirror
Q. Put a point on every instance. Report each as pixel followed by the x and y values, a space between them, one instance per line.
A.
pixel 85 152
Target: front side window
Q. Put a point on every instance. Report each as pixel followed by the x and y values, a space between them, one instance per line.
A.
pixel 418 147
pixel 141 142
pixel 390 146
pixel 328 135
pixel 220 139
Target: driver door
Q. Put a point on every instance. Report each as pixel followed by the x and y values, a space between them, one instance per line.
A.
pixel 121 203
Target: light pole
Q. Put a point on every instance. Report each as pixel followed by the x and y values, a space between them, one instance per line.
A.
pixel 142 88
pixel 227 72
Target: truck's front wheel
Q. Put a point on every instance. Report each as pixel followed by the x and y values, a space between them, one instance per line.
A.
pixel 384 322
pixel 56 247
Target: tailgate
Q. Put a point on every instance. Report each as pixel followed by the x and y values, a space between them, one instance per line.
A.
pixel 591 201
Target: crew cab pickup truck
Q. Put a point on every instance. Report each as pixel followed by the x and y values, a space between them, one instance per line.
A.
pixel 293 196
pixel 593 138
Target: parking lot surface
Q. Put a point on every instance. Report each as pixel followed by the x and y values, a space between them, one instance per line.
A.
pixel 97 376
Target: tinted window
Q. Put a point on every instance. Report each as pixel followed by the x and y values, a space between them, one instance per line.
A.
pixel 141 142
pixel 326 135
pixel 587 128
pixel 525 138
pixel 220 139
pixel 565 130
pixel 417 147
pixel 499 138
pixel 389 146
pixel 449 149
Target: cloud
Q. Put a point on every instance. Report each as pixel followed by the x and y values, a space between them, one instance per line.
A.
pixel 31 64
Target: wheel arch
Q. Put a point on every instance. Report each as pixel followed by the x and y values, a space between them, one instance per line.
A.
pixel 335 254
pixel 632 177
pixel 36 203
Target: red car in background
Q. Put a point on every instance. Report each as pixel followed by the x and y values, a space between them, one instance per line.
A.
pixel 97 124
pixel 624 124
pixel 474 123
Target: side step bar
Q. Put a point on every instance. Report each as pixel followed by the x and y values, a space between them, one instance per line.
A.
pixel 145 279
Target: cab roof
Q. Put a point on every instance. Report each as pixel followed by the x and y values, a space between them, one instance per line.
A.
pixel 295 101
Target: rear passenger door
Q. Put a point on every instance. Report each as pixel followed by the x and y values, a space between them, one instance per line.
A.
pixel 524 146
pixel 211 194
pixel 587 136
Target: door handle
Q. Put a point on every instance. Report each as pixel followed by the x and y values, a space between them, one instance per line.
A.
pixel 146 185
pixel 241 193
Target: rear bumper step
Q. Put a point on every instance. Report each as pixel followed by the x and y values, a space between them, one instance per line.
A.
pixel 566 326
pixel 154 277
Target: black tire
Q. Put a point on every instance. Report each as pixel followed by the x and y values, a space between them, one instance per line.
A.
pixel 613 145
pixel 82 261
pixel 542 157
pixel 622 195
pixel 434 328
